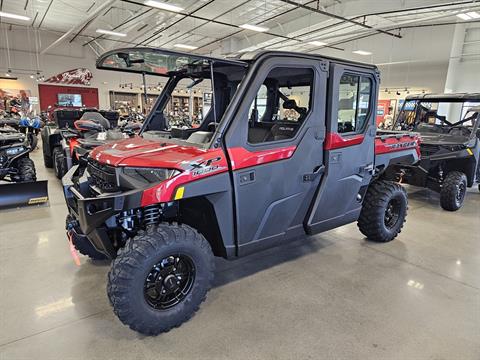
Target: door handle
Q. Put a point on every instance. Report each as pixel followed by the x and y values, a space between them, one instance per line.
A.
pixel 319 170
pixel 247 177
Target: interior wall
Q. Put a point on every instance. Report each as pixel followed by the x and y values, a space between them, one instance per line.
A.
pixel 48 95
pixel 464 71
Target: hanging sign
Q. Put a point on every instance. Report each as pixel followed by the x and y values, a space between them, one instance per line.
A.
pixel 80 76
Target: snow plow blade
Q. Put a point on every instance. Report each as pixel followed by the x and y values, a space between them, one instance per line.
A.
pixel 25 193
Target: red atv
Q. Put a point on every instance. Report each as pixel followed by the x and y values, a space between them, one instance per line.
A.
pixel 288 148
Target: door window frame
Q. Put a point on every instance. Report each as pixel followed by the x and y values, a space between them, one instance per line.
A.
pixel 348 71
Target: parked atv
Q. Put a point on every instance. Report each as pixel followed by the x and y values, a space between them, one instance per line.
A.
pixel 275 158
pixel 450 147
pixel 92 134
pixel 15 165
pixel 60 137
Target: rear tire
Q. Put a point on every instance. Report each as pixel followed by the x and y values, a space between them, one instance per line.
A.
pixel 163 261
pixel 59 162
pixel 32 139
pixel 454 189
pixel 47 161
pixel 26 170
pixel 384 211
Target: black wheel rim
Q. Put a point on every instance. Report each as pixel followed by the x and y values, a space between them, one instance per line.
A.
pixel 169 281
pixel 392 213
pixel 461 190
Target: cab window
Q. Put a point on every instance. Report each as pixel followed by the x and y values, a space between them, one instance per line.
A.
pixel 281 105
pixel 354 103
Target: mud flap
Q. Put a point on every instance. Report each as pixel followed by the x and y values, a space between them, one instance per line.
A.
pixel 25 193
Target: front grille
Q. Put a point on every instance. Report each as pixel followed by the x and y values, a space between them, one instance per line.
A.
pixel 428 150
pixel 102 176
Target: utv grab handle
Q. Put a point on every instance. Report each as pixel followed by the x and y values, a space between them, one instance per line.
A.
pixel 319 170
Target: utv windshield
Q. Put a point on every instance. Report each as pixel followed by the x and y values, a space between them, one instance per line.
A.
pixel 445 117
pixel 195 96
pixel 157 62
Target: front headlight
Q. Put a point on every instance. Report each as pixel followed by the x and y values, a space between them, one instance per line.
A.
pixel 14 150
pixel 150 175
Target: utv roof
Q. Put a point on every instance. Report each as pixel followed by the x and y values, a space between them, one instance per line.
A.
pixel 159 62
pixel 249 56
pixel 454 97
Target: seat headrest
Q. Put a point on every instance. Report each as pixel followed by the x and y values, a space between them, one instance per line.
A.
pixel 290 104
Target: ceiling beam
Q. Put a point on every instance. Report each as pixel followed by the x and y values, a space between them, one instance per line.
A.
pixel 133 17
pixel 338 17
pixel 88 20
pixel 45 13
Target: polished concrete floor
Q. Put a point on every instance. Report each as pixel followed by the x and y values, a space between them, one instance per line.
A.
pixel 332 296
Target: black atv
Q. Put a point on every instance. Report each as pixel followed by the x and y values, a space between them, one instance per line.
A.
pixel 60 136
pixel 450 148
pixel 15 164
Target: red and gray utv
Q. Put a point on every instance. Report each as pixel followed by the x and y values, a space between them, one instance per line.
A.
pixel 289 147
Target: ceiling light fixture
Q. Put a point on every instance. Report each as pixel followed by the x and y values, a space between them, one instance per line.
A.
pixel 362 52
pixel 184 46
pixel 474 15
pixel 14 16
pixel 254 27
pixel 464 16
pixel 163 6
pixel 317 43
pixel 108 32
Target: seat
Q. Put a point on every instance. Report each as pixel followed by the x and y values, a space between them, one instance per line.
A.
pixel 283 130
pixel 97 117
pixel 200 137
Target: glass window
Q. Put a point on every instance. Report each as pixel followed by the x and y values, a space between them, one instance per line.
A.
pixel 281 105
pixel 354 102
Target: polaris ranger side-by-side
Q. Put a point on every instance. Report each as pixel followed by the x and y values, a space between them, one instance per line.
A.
pixel 288 148
pixel 450 146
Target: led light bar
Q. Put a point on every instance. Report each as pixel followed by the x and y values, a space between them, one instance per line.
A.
pixel 362 52
pixel 163 6
pixel 254 27
pixel 108 32
pixel 14 16
pixel 184 46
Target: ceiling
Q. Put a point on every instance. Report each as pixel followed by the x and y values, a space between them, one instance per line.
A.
pixel 213 26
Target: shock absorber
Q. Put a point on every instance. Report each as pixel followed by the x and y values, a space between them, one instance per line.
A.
pixel 151 215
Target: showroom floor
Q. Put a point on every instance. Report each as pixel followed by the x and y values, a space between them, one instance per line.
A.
pixel 330 296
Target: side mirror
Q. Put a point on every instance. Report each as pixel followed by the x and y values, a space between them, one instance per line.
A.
pixel 88 125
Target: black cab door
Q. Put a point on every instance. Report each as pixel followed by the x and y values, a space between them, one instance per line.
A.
pixel 275 149
pixel 349 147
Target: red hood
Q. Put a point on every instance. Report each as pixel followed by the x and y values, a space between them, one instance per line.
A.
pixel 139 152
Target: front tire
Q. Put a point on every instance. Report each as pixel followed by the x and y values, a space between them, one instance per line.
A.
pixel 59 162
pixel 384 211
pixel 26 170
pixel 454 189
pixel 160 278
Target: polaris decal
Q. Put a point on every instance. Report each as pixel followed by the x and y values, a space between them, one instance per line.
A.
pixel 205 166
pixel 401 145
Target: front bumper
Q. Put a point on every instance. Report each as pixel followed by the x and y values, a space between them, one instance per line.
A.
pixel 96 215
